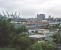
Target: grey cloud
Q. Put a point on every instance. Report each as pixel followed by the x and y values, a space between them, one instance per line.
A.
pixel 31 7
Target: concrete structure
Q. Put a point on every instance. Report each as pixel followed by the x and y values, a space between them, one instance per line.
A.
pixel 40 17
pixel 37 36
pixel 38 31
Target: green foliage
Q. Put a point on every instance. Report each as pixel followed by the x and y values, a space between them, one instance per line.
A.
pixel 11 37
pixel 6 29
pixel 22 41
pixel 57 38
pixel 56 26
pixel 21 29
pixel 43 45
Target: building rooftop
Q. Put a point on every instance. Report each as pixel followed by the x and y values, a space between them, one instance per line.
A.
pixel 39 22
pixel 37 36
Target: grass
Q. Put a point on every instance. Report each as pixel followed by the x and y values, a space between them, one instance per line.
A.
pixel 7 49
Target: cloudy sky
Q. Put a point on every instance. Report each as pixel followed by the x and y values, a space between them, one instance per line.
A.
pixel 29 8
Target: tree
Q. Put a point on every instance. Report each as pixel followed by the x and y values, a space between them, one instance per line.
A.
pixel 22 41
pixel 21 29
pixel 6 30
pixel 43 45
pixel 13 37
pixel 57 38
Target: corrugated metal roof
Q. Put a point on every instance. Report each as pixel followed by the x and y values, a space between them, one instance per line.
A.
pixel 39 22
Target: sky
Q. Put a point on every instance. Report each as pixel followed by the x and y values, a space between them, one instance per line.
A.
pixel 30 8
